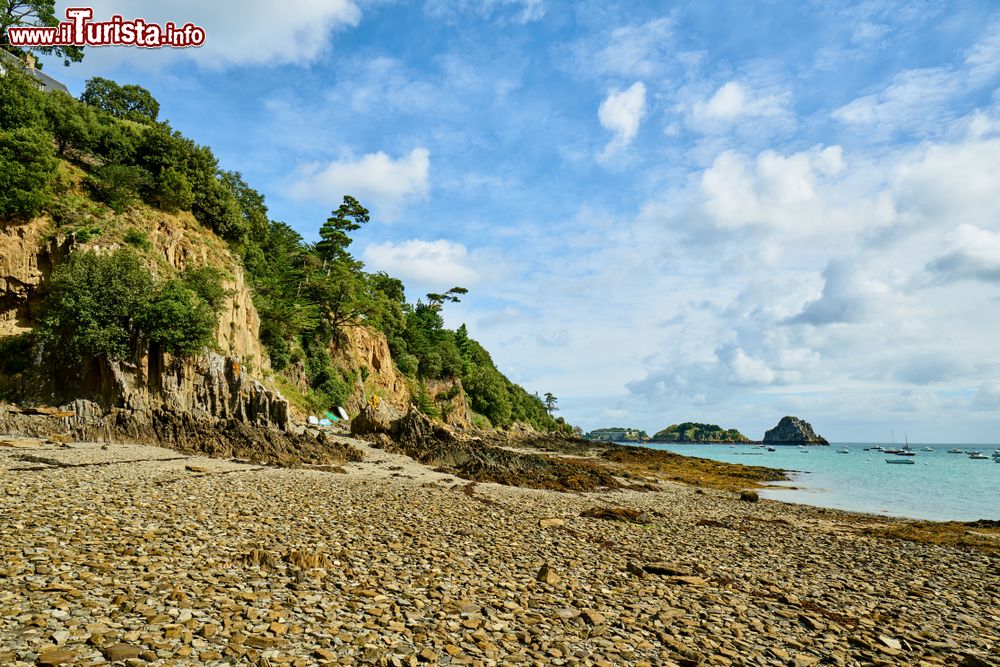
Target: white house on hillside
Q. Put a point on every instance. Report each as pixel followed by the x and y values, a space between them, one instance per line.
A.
pixel 45 82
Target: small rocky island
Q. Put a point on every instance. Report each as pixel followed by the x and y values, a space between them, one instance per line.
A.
pixel 693 432
pixel 793 431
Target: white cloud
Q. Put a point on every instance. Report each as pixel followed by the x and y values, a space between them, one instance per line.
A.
pixel 733 102
pixel 907 103
pixel 920 99
pixel 636 50
pixel 983 59
pixel 376 177
pixel 972 253
pixel 621 113
pixel 256 32
pixel 795 193
pixel 848 296
pixel 988 395
pixel 439 264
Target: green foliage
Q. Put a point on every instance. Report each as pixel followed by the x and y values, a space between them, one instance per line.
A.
pixel 34 13
pixel 16 353
pixel 178 319
pixel 128 102
pixel 115 141
pixel 137 238
pixel 488 394
pixel 328 385
pixel 73 125
pixel 172 191
pixel 697 432
pixel 93 304
pixel 27 165
pixel 21 102
pixel 424 401
pixel 87 232
pixel 107 305
pixel 117 185
pixel 335 240
pixel 206 282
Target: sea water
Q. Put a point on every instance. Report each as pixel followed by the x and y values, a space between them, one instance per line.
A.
pixel 938 487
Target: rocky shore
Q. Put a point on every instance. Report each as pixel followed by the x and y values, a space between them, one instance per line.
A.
pixel 137 555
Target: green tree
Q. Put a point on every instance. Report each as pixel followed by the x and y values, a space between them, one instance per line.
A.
pixel 128 102
pixel 21 103
pixel 172 191
pixel 92 306
pixel 348 217
pixel 206 282
pixel 27 164
pixel 550 402
pixel 117 185
pixel 34 13
pixel 71 123
pixel 178 319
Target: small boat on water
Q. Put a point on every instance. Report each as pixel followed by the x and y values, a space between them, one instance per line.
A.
pixel 843 451
pixel 771 449
pixel 902 461
pixel 928 449
pixel 978 455
pixel 956 451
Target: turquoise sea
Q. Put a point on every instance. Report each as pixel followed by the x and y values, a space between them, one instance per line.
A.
pixel 939 486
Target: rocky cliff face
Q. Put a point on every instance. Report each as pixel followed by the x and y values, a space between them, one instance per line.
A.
pixel 366 353
pixel 209 387
pixel 26 256
pixel 793 431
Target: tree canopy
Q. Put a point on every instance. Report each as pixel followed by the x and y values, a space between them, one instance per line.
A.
pixel 34 13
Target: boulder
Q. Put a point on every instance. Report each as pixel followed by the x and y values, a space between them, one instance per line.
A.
pixel 793 431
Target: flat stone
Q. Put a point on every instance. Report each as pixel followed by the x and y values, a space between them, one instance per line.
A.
pixel 55 657
pixel 121 652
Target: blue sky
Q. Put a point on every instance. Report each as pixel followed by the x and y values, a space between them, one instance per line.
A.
pixel 705 211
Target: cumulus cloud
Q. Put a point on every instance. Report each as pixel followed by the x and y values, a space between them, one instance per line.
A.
pixel 848 296
pixel 387 183
pixel 621 112
pixel 972 254
pixel 252 33
pixel 440 264
pixel 734 102
pixel 773 190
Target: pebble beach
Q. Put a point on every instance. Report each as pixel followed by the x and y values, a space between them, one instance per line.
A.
pixel 138 555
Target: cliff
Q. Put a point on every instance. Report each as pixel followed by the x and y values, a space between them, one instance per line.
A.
pixel 692 432
pixel 230 384
pixel 793 431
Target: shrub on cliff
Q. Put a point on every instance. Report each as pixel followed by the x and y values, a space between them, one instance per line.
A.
pixel 177 319
pixel 93 304
pixel 27 164
pixel 108 306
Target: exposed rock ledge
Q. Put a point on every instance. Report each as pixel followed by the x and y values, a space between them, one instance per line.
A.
pixel 207 405
pixel 793 431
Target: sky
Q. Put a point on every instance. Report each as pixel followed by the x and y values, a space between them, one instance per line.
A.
pixel 664 212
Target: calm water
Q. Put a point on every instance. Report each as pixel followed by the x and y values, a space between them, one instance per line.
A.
pixel 939 486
